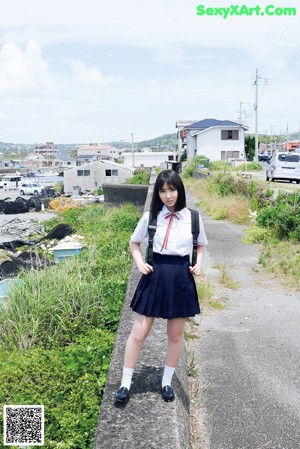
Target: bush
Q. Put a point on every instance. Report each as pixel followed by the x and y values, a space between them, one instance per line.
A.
pixel 220 166
pixel 140 177
pixel 192 165
pixel 68 381
pixel 58 327
pixel 81 292
pixel 283 216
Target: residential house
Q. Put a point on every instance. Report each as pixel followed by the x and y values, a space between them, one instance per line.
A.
pixel 180 125
pixel 66 161
pixel 95 151
pixel 148 159
pixel 92 175
pixel 214 139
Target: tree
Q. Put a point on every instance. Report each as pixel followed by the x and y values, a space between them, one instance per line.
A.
pixel 250 147
pixel 183 156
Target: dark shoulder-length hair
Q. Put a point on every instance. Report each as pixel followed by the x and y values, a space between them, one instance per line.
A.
pixel 172 179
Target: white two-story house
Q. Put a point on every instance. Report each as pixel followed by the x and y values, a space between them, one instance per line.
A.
pixel 215 139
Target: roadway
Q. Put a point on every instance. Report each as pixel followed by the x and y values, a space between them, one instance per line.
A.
pixel 248 354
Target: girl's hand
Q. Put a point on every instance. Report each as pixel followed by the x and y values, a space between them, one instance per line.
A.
pixel 195 270
pixel 145 268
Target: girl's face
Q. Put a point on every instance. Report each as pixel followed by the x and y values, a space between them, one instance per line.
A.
pixel 168 195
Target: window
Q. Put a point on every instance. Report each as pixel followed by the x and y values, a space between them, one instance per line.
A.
pixel 230 134
pixel 83 173
pixel 225 155
pixel 111 172
pixel 289 157
pixel 170 158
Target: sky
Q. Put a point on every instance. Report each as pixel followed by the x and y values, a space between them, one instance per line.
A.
pixel 82 71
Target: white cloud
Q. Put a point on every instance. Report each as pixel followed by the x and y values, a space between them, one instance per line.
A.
pixel 90 75
pixel 195 67
pixel 23 72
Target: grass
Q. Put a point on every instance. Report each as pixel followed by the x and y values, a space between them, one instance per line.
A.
pixel 282 259
pixel 192 366
pixel 205 290
pixel 214 196
pixel 58 327
pixel 226 279
pixel 232 208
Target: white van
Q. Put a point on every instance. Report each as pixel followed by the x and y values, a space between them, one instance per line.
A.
pixel 284 166
pixel 10 182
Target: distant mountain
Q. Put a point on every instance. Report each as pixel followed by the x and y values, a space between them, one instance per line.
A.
pixel 164 141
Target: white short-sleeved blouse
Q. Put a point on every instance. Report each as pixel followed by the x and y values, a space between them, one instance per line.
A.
pixel 180 242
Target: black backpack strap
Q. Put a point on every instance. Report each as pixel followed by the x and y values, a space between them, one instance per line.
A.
pixel 151 231
pixel 195 232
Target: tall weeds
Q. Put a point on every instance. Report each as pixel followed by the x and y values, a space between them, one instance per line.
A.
pixel 52 305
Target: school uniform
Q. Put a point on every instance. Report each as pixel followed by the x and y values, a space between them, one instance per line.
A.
pixel 169 291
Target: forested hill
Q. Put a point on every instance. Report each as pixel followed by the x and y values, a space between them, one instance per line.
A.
pixel 164 141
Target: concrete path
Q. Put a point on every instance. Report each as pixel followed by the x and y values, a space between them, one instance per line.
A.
pixel 248 354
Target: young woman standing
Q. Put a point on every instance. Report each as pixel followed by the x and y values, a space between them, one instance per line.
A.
pixel 167 288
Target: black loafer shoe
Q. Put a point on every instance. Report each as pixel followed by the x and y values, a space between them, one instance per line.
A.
pixel 122 395
pixel 167 393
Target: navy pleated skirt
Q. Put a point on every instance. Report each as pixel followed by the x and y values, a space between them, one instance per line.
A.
pixel 169 291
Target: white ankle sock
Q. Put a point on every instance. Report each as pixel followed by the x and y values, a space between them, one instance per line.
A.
pixel 167 376
pixel 126 377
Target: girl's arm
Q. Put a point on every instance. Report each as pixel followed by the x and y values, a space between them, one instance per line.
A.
pixel 143 267
pixel 196 269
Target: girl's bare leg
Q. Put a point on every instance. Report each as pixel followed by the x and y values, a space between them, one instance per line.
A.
pixel 140 330
pixel 175 332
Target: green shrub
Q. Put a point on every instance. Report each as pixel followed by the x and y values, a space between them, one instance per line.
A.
pixel 140 177
pixel 68 381
pixel 98 191
pixel 193 164
pixel 220 166
pixel 283 216
pixel 58 327
pixel 256 234
pixel 59 186
pixel 64 300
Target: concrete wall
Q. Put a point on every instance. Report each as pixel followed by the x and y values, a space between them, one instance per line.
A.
pixel 125 193
pixel 147 422
pixel 198 174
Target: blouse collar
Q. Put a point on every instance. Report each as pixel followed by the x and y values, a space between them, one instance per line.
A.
pixel 165 211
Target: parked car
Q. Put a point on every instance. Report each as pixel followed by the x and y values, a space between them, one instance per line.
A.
pixel 264 157
pixel 31 189
pixel 284 166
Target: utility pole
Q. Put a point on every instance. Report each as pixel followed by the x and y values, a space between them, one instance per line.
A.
pixel 243 112
pixel 256 112
pixel 256 116
pixel 132 149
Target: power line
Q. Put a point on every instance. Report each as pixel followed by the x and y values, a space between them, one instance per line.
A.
pixel 286 69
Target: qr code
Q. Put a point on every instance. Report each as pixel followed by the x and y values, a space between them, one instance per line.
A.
pixel 23 425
